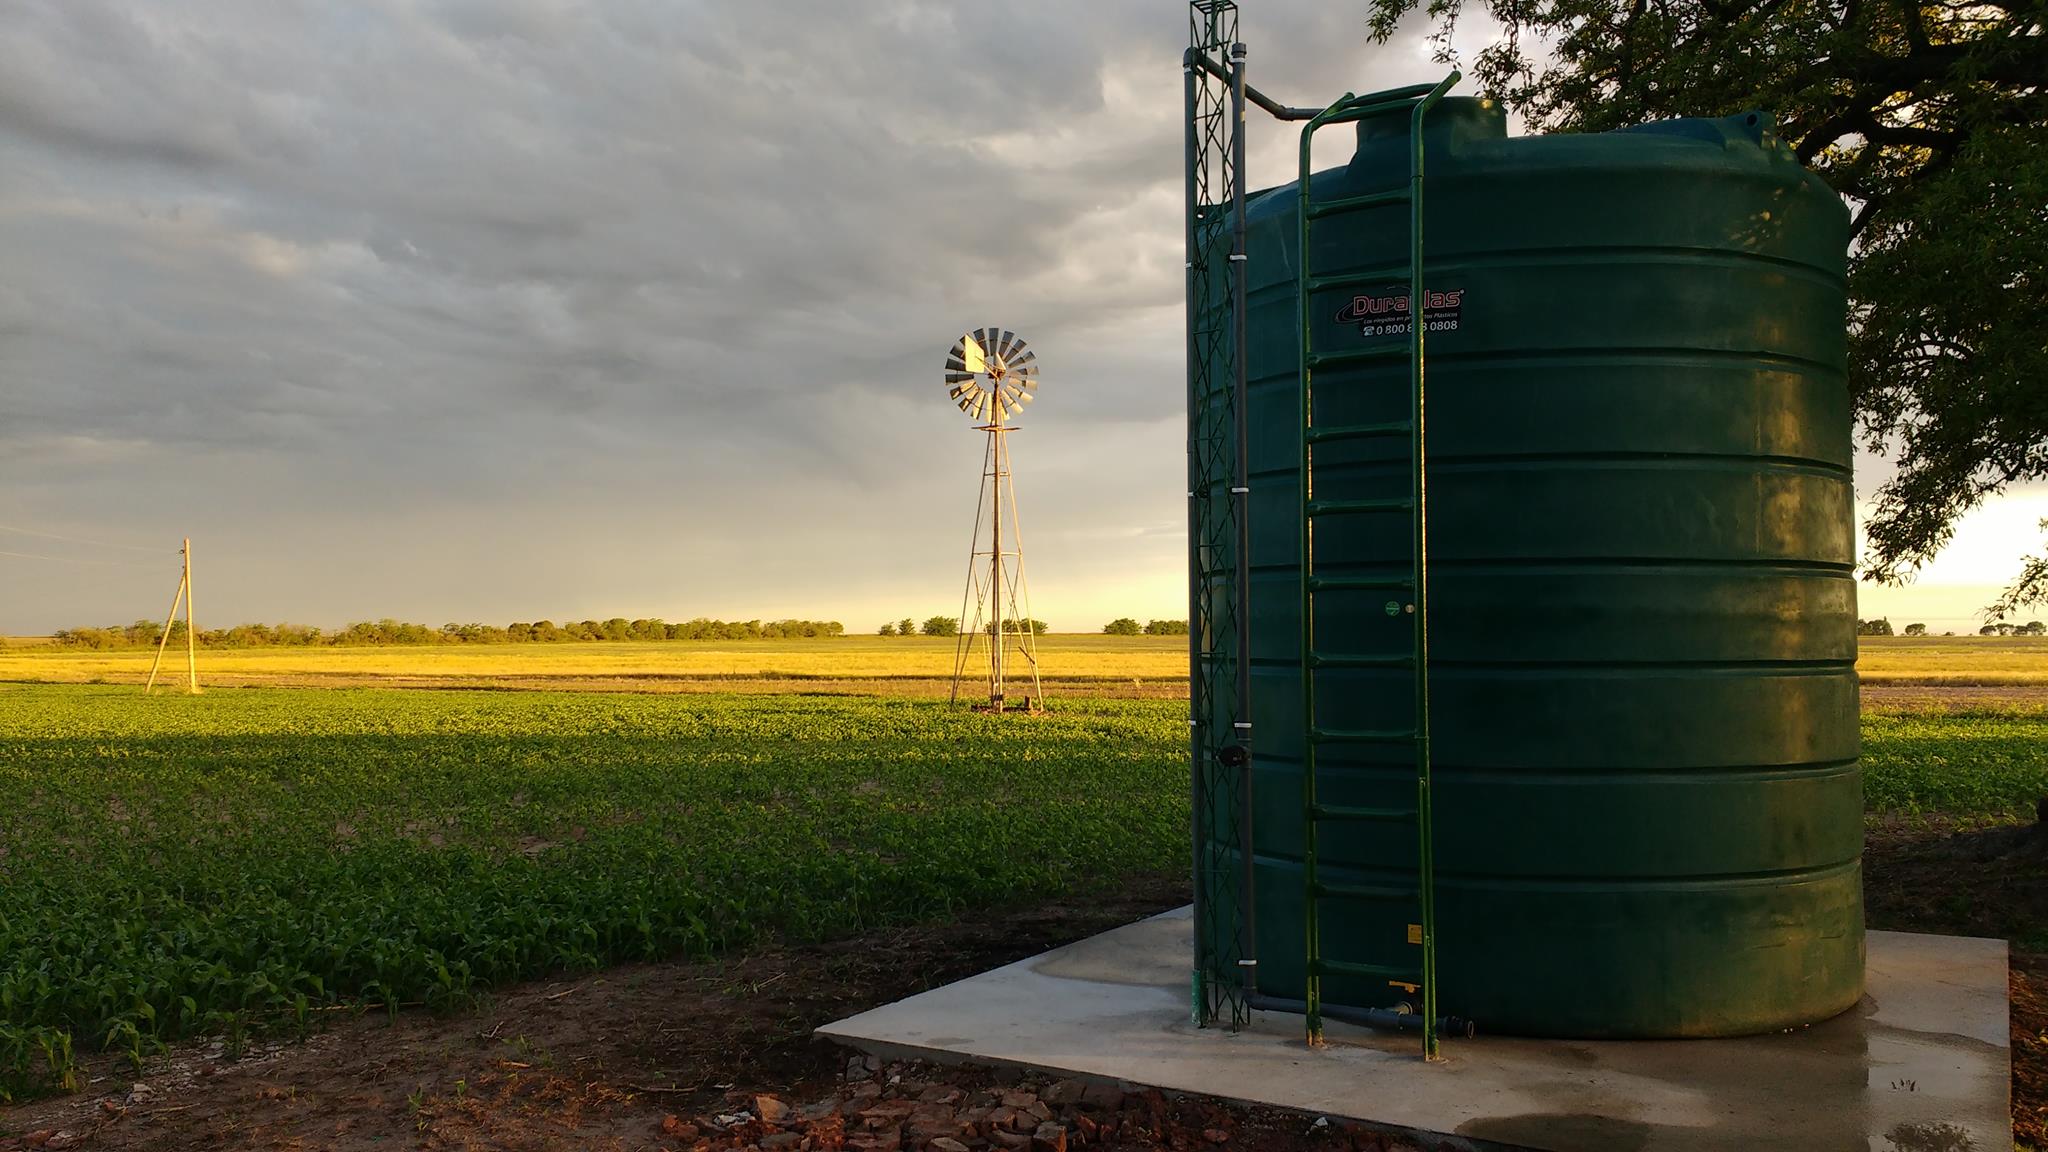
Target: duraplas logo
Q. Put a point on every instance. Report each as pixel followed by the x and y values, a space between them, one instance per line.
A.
pixel 1388 315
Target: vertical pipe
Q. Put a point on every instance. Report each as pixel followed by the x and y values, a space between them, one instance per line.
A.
pixel 1240 490
pixel 1418 484
pixel 1312 981
pixel 1197 790
pixel 191 627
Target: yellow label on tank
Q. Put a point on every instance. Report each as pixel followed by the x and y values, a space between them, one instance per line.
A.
pixel 1415 933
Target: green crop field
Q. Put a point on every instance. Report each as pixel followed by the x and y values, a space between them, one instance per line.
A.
pixel 240 861
pixel 1968 762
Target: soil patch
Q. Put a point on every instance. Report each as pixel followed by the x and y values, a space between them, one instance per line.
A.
pixel 1937 874
pixel 1939 697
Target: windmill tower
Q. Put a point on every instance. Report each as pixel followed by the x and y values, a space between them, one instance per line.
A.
pixel 991 375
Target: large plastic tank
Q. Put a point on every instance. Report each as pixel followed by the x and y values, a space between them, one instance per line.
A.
pixel 1642 600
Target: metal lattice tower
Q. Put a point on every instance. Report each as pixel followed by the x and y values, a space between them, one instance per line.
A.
pixel 1226 972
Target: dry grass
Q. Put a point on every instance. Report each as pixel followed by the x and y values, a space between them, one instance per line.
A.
pixel 915 666
pixel 1954 660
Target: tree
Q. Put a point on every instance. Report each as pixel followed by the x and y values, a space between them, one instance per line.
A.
pixel 1916 629
pixel 1879 627
pixel 906 627
pixel 942 626
pixel 888 629
pixel 1166 628
pixel 1122 626
pixel 2032 628
pixel 1928 118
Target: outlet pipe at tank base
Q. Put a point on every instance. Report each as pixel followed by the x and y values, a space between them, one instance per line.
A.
pixel 1381 1019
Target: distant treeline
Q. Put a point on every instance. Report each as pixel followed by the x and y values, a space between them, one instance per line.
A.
pixel 1125 626
pixel 1882 626
pixel 147 633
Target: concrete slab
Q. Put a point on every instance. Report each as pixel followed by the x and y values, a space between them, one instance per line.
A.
pixel 1922 1065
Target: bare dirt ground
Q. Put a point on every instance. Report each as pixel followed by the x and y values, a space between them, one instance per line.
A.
pixel 1952 697
pixel 1884 697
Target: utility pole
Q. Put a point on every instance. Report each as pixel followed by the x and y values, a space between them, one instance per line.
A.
pixel 184 593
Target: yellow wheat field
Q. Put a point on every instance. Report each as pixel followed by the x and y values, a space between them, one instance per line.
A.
pixel 1143 665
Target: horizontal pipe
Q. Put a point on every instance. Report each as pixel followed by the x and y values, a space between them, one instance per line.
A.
pixel 1273 107
pixel 1383 1019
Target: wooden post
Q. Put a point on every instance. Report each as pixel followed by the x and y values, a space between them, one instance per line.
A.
pixel 164 640
pixel 191 628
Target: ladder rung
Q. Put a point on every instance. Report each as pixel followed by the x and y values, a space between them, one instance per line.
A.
pixel 1360 735
pixel 1353 660
pixel 1356 507
pixel 1399 972
pixel 1353 812
pixel 1359 583
pixel 1357 355
pixel 1354 203
pixel 1359 431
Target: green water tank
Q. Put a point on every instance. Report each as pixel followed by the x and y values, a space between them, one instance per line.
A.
pixel 1642 599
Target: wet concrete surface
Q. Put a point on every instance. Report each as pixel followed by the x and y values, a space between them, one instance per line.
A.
pixel 1922 1065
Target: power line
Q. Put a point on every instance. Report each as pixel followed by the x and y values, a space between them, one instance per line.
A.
pixel 77 560
pixel 71 540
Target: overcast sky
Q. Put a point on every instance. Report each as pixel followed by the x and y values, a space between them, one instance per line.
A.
pixel 509 309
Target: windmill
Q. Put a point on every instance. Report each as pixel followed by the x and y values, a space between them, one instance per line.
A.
pixel 991 375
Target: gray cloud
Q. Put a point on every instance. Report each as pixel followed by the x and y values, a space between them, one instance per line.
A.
pixel 494 308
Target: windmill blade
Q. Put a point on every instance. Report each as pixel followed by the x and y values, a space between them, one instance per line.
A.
pixel 990 374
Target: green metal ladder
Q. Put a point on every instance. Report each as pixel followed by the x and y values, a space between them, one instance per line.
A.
pixel 1421 975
